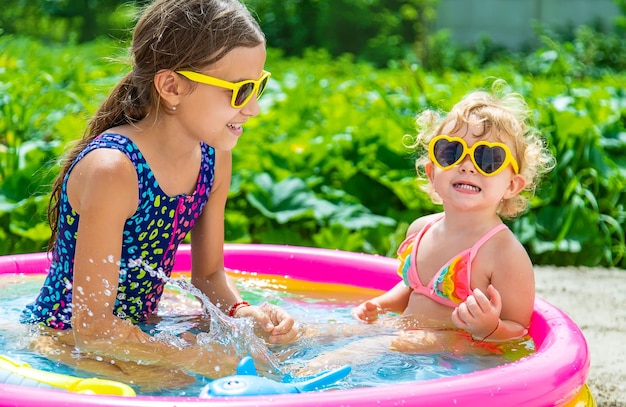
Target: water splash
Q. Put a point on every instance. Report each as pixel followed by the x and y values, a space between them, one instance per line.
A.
pixel 230 333
pixel 237 333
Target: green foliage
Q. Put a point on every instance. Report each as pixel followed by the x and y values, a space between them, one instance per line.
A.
pixel 376 30
pixel 591 53
pixel 381 32
pixel 325 163
pixel 74 21
pixel 44 103
pixel 620 21
pixel 587 189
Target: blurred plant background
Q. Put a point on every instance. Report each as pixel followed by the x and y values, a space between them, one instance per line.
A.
pixel 325 164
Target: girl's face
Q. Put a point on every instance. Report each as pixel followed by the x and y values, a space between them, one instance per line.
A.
pixel 205 111
pixel 464 187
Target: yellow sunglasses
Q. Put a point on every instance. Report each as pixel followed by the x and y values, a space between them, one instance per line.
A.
pixel 242 91
pixel 488 158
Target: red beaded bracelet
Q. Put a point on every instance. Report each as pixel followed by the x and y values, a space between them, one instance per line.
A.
pixel 236 306
pixel 494 330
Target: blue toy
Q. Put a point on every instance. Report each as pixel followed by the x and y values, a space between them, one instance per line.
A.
pixel 247 382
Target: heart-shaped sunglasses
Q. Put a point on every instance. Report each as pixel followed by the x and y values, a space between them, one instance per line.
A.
pixel 488 158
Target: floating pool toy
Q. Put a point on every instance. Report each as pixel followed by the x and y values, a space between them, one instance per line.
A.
pixel 247 382
pixel 14 372
pixel 554 375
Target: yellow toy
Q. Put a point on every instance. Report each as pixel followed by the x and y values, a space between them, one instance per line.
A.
pixel 20 373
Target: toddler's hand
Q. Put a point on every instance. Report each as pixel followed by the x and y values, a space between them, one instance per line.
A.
pixel 366 312
pixel 479 314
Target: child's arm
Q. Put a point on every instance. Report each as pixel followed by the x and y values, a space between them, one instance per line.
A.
pixel 394 300
pixel 480 316
pixel 503 311
pixel 208 273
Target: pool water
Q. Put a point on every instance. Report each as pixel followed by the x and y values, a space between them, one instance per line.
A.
pixel 320 308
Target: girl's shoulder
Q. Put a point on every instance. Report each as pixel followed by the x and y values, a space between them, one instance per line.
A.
pixel 504 252
pixel 105 162
pixel 504 242
pixel 103 177
pixel 421 222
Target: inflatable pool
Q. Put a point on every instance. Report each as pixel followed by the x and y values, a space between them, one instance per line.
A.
pixel 553 376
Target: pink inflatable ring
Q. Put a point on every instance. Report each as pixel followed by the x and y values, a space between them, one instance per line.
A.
pixel 553 376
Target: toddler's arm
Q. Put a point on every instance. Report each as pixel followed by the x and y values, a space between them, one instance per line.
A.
pixel 480 316
pixel 394 300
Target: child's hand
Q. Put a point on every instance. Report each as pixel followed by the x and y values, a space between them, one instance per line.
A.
pixel 479 315
pixel 273 320
pixel 366 312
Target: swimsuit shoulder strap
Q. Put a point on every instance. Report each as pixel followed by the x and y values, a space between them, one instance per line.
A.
pixel 486 237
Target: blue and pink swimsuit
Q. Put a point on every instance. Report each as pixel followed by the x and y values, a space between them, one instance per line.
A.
pixel 151 237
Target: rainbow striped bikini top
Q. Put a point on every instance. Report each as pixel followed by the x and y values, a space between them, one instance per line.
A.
pixel 451 285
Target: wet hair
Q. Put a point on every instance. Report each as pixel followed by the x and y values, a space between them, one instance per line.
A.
pixel 173 35
pixel 506 117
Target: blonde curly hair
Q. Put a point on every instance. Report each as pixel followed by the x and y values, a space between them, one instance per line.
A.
pixel 507 117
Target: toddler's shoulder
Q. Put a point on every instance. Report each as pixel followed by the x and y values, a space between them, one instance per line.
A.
pixel 421 222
